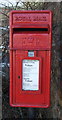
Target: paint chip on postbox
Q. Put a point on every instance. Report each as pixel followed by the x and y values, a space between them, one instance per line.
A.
pixel 30 75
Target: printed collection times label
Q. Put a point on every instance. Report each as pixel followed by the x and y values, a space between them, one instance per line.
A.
pixel 30 76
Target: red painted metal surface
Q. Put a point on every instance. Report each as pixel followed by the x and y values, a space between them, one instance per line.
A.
pixel 30 30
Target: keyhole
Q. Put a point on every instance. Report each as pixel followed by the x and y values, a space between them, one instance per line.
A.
pixel 18 77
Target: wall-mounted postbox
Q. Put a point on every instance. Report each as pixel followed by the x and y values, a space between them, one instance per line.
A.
pixel 30 58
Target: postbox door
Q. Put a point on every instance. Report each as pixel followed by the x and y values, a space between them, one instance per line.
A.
pixel 31 97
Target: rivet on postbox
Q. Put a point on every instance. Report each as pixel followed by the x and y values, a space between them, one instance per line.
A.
pixel 30 58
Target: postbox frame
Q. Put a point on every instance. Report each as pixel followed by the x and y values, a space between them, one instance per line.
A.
pixel 12 54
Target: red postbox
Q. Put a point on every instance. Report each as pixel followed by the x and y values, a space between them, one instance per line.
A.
pixel 30 58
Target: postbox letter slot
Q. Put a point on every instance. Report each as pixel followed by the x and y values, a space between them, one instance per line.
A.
pixel 31 29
